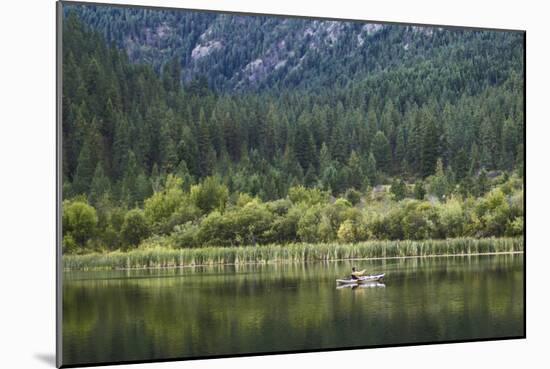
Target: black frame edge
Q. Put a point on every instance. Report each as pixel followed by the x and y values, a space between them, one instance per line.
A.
pixel 59 185
pixel 525 184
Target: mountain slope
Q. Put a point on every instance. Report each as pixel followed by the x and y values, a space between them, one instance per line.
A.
pixel 242 53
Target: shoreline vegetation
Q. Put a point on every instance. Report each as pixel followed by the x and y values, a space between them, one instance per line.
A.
pixel 164 257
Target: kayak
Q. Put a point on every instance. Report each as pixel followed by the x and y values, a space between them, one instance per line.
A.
pixel 364 279
pixel 361 285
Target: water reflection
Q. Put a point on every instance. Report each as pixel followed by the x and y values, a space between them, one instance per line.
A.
pixel 202 311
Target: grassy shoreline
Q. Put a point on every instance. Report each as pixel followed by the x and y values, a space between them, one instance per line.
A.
pixel 161 257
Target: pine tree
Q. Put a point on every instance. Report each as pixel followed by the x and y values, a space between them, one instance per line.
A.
pixel 325 159
pixel 419 190
pixel 338 146
pixel 151 135
pixel 439 184
pixel 388 124
pixel 370 169
pixel 305 150
pixel 482 185
pixel 509 144
pixel 187 150
pixel 108 124
pixel 121 146
pixel 143 189
pixel 400 148
pixel 489 145
pixel 430 145
pixel 520 160
pixel 341 183
pixel 450 176
pixel 310 180
pixel 356 172
pixel 87 161
pixel 73 142
pixel 415 138
pixel 291 165
pixel 205 150
pixel 129 192
pixel 156 179
pixel 269 139
pixel 474 160
pixel 461 164
pixel 84 170
pixel 100 185
pixel 382 152
pixel 94 79
pixel 399 189
pixel 329 178
pixel 231 137
pixel 171 75
pixel 372 121
pixel 168 156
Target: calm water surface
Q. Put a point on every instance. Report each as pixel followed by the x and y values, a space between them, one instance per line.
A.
pixel 203 311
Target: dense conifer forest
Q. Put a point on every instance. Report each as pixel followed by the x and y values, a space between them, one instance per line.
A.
pixel 189 129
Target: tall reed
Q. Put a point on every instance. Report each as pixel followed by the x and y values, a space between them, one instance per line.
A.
pixel 161 257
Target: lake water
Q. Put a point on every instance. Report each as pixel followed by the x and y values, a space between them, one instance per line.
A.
pixel 211 311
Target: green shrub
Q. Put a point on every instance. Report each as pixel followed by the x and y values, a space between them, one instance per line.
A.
pixel 210 195
pixel 419 190
pixel 79 221
pixel 185 235
pixel 214 230
pixel 160 207
pixel 69 244
pixel 494 213
pixel 308 225
pixel 452 218
pixel 135 228
pixel 347 232
pixel 514 228
pixel 309 196
pixel 419 221
pixel 398 189
pixel 353 196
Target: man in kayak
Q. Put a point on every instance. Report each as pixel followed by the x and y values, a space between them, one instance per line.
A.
pixel 354 274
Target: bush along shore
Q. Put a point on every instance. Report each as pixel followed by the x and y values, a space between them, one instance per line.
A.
pixel 165 257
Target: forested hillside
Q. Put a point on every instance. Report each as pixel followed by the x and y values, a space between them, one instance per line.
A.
pixel 159 101
pixel 257 52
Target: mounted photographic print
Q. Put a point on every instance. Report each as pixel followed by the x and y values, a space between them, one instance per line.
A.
pixel 241 184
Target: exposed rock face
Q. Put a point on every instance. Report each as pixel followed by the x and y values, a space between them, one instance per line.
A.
pixel 255 69
pixel 333 30
pixel 372 28
pixel 296 42
pixel 367 30
pixel 202 50
pixel 427 31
